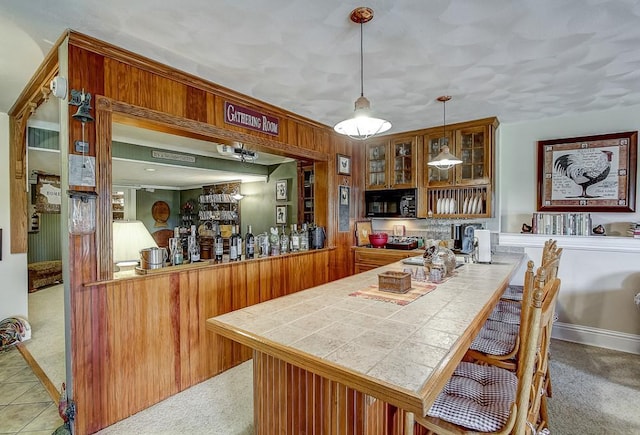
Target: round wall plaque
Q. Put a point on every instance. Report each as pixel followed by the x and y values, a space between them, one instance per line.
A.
pixel 160 211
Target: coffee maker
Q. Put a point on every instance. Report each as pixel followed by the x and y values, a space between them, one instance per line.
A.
pixel 464 237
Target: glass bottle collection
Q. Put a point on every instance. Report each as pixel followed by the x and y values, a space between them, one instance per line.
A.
pixel 185 246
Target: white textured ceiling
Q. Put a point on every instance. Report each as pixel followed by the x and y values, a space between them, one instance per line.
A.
pixel 519 60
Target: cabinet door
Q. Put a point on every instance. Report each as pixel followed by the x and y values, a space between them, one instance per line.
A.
pixel 432 145
pixel 473 150
pixel 376 165
pixel 403 163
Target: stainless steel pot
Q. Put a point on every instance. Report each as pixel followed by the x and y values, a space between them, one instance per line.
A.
pixel 152 258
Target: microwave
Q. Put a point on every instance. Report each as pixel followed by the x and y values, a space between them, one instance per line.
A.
pixel 393 203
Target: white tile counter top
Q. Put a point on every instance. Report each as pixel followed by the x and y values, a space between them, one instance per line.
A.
pixel 405 353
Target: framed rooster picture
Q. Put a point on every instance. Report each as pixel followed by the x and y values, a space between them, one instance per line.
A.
pixel 590 173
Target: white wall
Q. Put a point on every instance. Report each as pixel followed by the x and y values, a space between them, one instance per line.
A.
pixel 13 267
pixel 595 304
pixel 517 162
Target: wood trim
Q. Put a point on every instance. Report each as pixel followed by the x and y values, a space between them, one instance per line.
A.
pixel 40 374
pixel 104 226
pixel 34 94
pixel 18 184
pixel 169 123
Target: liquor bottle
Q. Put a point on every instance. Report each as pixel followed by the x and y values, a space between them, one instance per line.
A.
pixel 194 248
pixel 304 238
pixel 249 244
pixel 295 238
pixel 284 241
pixel 218 246
pixel 240 248
pixel 233 245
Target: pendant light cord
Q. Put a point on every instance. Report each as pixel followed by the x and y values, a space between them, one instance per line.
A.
pixel 361 64
pixel 444 122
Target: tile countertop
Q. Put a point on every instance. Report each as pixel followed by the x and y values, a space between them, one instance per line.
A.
pixel 383 348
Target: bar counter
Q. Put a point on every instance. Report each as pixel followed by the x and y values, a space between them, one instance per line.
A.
pixel 324 359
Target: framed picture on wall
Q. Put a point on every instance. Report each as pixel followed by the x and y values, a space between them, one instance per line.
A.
pixel 588 174
pixel 344 165
pixel 281 214
pixel 281 190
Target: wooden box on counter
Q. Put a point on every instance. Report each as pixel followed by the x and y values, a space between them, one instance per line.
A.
pixel 394 282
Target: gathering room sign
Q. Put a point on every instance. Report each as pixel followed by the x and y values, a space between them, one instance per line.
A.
pixel 251 119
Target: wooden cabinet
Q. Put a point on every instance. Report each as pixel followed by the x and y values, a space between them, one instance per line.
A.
pixel 370 258
pixel 391 163
pixel 466 189
pixel 306 202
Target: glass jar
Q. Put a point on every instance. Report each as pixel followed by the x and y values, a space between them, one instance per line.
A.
pixel 447 258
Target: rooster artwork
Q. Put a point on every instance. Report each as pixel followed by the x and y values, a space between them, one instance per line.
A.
pixel 585 168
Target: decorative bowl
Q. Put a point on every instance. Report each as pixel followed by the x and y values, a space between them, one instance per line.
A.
pixel 378 240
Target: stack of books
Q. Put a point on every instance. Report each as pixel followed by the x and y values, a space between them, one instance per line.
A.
pixel 634 230
pixel 570 224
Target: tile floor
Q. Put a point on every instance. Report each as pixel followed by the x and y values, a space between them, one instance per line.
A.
pixel 25 405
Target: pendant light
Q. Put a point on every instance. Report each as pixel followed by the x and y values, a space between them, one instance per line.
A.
pixel 444 160
pixel 362 126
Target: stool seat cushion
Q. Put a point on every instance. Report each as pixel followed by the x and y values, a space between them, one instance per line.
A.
pixel 477 397
pixel 507 312
pixel 495 338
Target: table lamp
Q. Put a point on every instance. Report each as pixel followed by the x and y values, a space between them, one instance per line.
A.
pixel 129 237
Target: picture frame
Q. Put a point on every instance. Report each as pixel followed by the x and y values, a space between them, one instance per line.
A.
pixel 344 195
pixel 281 214
pixel 588 173
pixel 343 164
pixel 281 190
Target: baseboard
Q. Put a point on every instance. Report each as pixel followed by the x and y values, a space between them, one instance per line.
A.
pixel 597 337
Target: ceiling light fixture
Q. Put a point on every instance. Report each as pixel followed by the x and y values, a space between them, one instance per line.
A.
pixel 444 160
pixel 362 126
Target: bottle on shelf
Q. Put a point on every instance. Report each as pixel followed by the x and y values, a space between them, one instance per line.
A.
pixel 295 238
pixel 218 246
pixel 233 244
pixel 284 241
pixel 304 238
pixel 240 248
pixel 249 244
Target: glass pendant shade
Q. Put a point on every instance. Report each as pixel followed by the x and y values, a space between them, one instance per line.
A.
pixel 362 126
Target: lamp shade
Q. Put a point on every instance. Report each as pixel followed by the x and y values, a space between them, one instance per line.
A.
pixel 362 126
pixel 444 160
pixel 129 237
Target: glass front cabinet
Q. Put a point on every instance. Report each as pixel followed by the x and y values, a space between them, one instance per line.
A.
pixel 465 189
pixel 391 163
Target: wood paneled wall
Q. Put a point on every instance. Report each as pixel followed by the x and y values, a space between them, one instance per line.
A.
pixel 147 338
pixel 110 379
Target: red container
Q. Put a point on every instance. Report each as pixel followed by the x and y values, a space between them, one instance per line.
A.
pixel 378 240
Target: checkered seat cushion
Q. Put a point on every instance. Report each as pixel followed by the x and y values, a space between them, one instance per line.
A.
pixel 507 312
pixel 495 338
pixel 513 293
pixel 477 397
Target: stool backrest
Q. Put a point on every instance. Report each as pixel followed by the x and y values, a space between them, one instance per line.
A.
pixel 534 352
